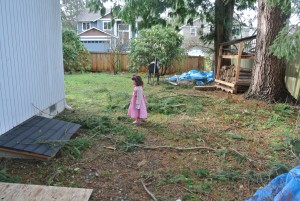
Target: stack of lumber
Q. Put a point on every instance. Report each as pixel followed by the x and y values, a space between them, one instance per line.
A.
pixel 245 74
pixel 228 74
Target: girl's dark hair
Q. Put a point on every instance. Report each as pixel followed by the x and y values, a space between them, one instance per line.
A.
pixel 138 80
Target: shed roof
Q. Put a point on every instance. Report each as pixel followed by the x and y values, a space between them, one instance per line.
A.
pixel 38 137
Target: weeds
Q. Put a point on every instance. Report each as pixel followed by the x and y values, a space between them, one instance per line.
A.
pixel 5 177
pixel 235 136
pixel 201 172
pixel 132 138
pixel 61 175
pixel 284 110
pixel 73 148
pixel 175 105
pixel 294 144
pixel 214 120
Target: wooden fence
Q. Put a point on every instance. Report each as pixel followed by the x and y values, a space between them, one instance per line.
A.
pixel 107 62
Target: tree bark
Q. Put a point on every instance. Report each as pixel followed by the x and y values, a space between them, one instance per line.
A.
pixel 267 81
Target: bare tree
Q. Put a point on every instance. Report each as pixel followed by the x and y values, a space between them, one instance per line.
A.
pixel 70 9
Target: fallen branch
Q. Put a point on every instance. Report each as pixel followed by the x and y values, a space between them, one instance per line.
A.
pixel 149 193
pixel 188 190
pixel 190 95
pixel 242 155
pixel 176 148
pixel 295 155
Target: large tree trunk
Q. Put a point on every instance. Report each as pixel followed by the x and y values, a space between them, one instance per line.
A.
pixel 223 24
pixel 269 71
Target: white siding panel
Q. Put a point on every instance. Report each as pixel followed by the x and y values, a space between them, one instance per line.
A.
pixel 31 64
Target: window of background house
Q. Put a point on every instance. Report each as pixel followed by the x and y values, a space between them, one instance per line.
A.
pixel 107 25
pixel 123 27
pixel 193 31
pixel 86 26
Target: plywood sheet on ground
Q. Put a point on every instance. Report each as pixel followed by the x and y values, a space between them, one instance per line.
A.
pixel 26 192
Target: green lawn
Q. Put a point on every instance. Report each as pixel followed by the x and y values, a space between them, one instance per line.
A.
pixel 194 146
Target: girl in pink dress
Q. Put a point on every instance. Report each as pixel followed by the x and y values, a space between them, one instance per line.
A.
pixel 137 108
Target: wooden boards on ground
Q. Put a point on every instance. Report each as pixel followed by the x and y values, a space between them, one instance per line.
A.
pixel 26 192
pixel 205 88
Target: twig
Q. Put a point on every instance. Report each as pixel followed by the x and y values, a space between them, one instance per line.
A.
pixel 42 112
pixel 242 155
pixel 149 193
pixel 295 155
pixel 111 148
pixel 188 190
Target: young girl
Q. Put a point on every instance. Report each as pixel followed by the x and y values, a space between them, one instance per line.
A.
pixel 137 108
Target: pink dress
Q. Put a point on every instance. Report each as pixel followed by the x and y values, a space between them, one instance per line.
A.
pixel 138 100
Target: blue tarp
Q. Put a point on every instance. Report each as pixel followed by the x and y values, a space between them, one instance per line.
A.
pixel 284 187
pixel 200 77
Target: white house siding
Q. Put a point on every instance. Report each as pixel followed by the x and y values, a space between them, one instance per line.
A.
pixel 31 64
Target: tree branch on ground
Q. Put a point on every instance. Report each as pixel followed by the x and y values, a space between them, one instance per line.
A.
pixel 149 193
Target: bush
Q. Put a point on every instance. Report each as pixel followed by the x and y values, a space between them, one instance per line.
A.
pixel 157 42
pixel 76 56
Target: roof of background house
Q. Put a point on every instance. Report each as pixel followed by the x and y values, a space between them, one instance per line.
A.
pixel 93 28
pixel 87 16
pixel 189 25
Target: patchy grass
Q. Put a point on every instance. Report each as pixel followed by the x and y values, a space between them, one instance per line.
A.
pixel 245 143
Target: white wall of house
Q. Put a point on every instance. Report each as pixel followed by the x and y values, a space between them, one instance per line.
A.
pixel 31 63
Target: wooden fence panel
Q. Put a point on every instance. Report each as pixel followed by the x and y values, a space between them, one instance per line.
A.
pixel 106 61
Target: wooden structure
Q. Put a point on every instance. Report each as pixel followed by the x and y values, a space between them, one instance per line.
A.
pixel 25 192
pixel 231 76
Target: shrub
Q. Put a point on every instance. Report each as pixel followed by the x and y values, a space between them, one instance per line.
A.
pixel 157 42
pixel 76 56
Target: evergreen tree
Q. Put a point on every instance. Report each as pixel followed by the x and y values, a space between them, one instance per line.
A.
pixel 269 71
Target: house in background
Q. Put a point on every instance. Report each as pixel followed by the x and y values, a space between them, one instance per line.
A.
pixel 191 42
pixel 191 34
pixel 98 34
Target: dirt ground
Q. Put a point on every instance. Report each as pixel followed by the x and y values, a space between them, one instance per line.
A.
pixel 221 145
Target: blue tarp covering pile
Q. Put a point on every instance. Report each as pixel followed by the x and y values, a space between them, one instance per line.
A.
pixel 284 187
pixel 200 77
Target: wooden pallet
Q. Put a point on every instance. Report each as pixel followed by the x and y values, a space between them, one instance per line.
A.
pixel 239 87
pixel 225 88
